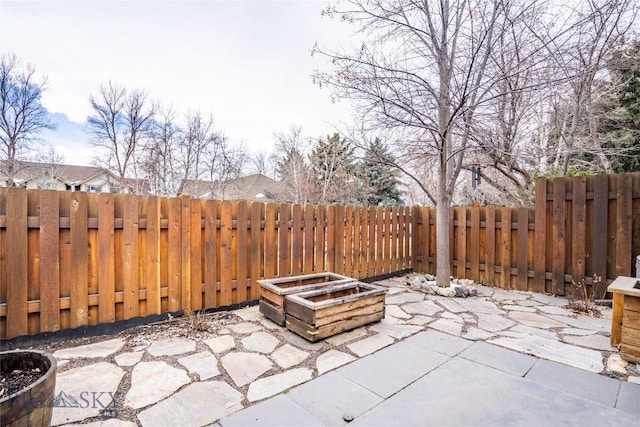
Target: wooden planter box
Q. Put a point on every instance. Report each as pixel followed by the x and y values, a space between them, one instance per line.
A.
pixel 320 313
pixel 625 321
pixel 274 291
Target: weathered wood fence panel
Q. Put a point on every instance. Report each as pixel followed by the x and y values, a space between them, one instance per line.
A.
pixel 580 227
pixel 75 259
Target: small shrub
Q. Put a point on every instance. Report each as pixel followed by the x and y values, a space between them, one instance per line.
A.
pixel 582 299
pixel 198 322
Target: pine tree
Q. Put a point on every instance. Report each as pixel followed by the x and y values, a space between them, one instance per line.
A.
pixel 378 177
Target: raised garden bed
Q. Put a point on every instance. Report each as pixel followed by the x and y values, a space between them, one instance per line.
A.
pixel 625 321
pixel 274 291
pixel 320 313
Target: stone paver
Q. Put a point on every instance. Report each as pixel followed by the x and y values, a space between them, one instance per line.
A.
pixel 447 325
pixel 288 356
pixel 419 320
pixel 596 342
pixel 245 328
pixel 204 364
pixel 395 311
pixel 615 363
pixel 583 322
pixel 153 381
pixel 269 386
pixel 221 343
pixel 244 368
pixel 332 359
pixel 395 330
pixel 370 344
pixel 187 407
pixel 100 349
pixel 346 337
pixel 528 330
pixel 590 360
pixel 451 305
pixel 426 308
pixel 260 342
pixel 129 358
pixel 480 305
pixel 171 346
pixel 249 314
pixel 535 320
pixel 494 323
pixel 331 396
pixel 404 298
pixel 74 384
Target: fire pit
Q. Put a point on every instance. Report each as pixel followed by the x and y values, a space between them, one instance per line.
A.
pixel 625 321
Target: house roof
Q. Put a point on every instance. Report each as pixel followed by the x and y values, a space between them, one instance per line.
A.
pixel 251 187
pixel 69 174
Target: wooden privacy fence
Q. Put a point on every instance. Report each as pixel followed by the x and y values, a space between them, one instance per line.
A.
pixel 74 259
pixel 580 227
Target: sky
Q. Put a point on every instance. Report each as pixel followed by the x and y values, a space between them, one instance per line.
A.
pixel 247 63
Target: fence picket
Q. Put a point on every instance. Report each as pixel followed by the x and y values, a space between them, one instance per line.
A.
pixel 49 262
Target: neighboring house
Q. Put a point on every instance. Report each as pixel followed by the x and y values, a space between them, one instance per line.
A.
pixel 69 178
pixel 252 187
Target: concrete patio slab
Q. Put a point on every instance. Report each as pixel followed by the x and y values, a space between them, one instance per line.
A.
pixel 576 381
pixel 395 367
pixel 439 342
pixel 499 358
pixel 465 393
pixel 330 397
pixel 276 412
pixel 629 398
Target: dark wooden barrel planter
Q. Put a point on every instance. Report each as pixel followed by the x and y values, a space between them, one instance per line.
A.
pixel 31 406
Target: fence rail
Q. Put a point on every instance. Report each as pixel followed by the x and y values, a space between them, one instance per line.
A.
pixel 74 259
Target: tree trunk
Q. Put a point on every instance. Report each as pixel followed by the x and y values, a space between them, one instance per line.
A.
pixel 443 206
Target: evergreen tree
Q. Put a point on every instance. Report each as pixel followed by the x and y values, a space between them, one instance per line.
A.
pixel 378 177
pixel 622 131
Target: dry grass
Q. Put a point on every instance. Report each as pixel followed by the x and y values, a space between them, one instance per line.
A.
pixel 582 297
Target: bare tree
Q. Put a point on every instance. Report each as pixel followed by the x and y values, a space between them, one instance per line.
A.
pixel 195 147
pixel 292 167
pixel 120 125
pixel 599 27
pixel 158 158
pixel 51 166
pixel 420 71
pixel 22 116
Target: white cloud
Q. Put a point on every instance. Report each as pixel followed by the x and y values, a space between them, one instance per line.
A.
pixel 247 63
